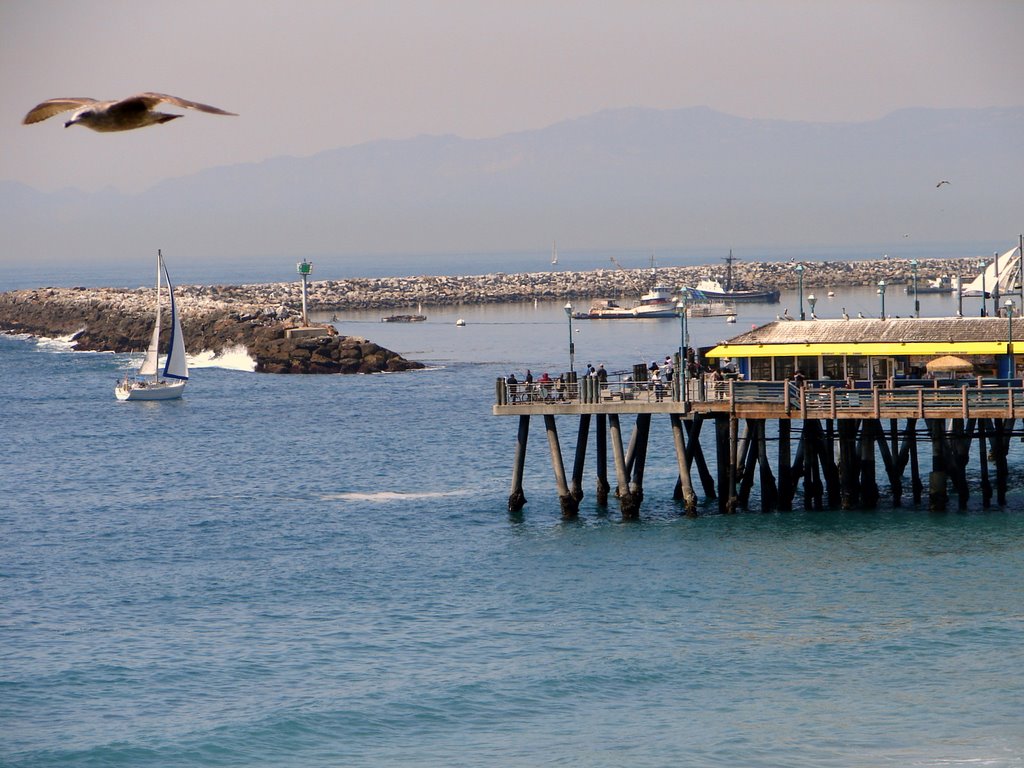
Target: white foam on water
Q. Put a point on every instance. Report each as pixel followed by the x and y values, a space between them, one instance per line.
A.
pixel 235 358
pixel 383 497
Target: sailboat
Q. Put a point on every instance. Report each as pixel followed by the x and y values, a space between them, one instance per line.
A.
pixel 999 276
pixel 554 253
pixel 148 385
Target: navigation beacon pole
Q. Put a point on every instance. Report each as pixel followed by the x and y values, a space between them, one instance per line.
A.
pixel 304 268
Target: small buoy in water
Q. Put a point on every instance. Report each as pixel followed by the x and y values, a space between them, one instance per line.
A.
pixel 730 318
pixel 460 322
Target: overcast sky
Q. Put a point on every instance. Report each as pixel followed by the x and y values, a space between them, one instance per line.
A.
pixel 314 75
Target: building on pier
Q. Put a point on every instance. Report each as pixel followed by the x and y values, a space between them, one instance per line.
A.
pixel 872 351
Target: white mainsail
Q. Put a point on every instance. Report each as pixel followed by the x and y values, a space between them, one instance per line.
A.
pixel 150 364
pixel 999 277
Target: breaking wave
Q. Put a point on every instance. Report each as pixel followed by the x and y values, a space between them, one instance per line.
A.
pixel 235 358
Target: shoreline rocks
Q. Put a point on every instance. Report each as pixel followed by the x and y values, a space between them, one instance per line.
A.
pixel 110 320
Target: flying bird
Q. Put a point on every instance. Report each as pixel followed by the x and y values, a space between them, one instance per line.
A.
pixel 124 115
pixel 941 183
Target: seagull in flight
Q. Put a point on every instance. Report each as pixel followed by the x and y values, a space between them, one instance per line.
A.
pixel 105 116
pixel 941 183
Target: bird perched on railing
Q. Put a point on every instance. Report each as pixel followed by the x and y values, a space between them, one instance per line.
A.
pixel 845 316
pixel 124 115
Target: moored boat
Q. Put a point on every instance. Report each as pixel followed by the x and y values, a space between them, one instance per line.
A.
pixel 712 289
pixel 403 319
pixel 655 303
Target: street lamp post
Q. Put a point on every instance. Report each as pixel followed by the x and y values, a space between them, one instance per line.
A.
pixel 811 299
pixel 995 288
pixel 959 294
pixel 917 304
pixel 984 290
pixel 881 292
pixel 1009 338
pixel 684 370
pixel 800 277
pixel 572 347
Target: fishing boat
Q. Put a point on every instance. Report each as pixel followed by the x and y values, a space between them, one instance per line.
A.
pixel 941 284
pixel 403 319
pixel 714 289
pixel 147 384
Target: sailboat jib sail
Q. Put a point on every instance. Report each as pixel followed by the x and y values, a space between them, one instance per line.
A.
pixel 148 385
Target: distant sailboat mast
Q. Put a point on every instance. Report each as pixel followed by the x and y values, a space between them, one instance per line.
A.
pixel 554 253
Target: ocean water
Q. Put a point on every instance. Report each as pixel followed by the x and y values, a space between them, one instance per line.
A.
pixel 322 571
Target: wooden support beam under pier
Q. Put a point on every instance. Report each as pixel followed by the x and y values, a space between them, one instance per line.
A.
pixel 517 498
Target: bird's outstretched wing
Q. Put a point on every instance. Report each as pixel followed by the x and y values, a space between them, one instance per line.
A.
pixel 150 100
pixel 941 183
pixel 52 107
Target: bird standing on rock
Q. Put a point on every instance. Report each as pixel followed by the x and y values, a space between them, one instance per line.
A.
pixel 124 115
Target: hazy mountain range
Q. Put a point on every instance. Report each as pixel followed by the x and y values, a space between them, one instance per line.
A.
pixel 628 177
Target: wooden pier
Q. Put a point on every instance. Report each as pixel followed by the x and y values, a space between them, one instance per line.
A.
pixel 841 434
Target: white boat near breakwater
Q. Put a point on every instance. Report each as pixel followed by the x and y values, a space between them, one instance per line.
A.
pixel 655 303
pixel 175 368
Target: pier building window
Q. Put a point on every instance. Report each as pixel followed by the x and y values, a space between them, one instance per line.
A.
pixel 881 368
pixel 784 368
pixel 761 368
pixel 832 367
pixel 808 365
pixel 856 367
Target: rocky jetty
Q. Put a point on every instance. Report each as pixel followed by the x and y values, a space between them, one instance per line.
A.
pixel 391 293
pixel 109 319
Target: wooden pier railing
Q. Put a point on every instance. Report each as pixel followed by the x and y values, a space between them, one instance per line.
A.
pixel 762 399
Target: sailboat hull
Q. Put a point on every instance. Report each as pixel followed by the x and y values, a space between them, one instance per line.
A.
pixel 148 390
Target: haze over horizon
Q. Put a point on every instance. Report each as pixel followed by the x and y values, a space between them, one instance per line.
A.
pixel 316 76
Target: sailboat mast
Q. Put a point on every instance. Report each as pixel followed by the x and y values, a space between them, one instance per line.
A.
pixel 156 333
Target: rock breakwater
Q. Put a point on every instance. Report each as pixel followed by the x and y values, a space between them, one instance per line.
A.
pixel 387 293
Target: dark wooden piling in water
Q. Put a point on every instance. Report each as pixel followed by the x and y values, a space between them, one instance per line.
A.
pixel 986 484
pixel 576 487
pixel 630 509
pixel 517 498
pixel 569 506
pixel 601 436
pixel 786 489
pixel 684 485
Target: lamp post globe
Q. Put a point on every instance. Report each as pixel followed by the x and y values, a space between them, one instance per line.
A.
pixel 812 300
